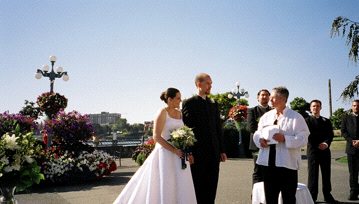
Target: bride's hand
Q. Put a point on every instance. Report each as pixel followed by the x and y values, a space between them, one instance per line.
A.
pixel 179 153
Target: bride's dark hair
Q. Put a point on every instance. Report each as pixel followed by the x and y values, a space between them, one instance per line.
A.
pixel 169 93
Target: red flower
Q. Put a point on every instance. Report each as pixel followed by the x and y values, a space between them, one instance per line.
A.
pixel 113 166
pixel 238 113
pixel 102 165
pixel 44 138
pixel 150 142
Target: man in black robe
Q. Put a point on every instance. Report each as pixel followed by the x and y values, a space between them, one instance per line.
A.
pixel 202 114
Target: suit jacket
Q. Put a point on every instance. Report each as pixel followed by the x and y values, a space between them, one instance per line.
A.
pixel 252 123
pixel 203 116
pixel 350 132
pixel 321 130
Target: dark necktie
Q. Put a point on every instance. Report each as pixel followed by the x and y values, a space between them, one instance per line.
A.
pixel 272 151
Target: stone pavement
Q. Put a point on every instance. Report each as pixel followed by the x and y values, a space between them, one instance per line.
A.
pixel 234 185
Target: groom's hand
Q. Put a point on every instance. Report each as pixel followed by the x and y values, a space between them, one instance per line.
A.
pixel 223 157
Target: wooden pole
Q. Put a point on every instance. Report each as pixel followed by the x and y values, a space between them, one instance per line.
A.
pixel 330 98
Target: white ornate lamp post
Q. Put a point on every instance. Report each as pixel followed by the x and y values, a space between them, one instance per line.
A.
pixel 237 94
pixel 52 75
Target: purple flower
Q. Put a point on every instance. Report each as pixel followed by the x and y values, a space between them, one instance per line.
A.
pixel 8 123
pixel 70 127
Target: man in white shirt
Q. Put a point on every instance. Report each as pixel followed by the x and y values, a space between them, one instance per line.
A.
pixel 280 154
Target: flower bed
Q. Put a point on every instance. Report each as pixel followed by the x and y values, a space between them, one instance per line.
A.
pixel 64 167
pixel 9 122
pixel 25 160
pixel 69 160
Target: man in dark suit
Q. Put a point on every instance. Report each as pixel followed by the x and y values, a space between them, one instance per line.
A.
pixel 318 152
pixel 202 114
pixel 350 131
pixel 252 122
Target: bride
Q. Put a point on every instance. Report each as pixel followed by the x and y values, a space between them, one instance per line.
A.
pixel 161 180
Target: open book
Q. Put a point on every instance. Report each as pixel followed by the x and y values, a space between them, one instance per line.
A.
pixel 268 132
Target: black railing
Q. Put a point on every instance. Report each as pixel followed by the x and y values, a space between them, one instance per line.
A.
pixel 122 143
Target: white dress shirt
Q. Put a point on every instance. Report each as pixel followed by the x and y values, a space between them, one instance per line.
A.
pixel 295 130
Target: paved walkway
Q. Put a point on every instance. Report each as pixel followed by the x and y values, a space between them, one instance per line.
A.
pixel 234 185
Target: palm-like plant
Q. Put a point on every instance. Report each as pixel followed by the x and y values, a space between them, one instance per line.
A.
pixel 344 26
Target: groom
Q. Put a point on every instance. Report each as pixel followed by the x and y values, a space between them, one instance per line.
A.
pixel 202 114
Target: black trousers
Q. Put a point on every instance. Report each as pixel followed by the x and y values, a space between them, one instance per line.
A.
pixel 257 174
pixel 279 179
pixel 205 179
pixel 320 159
pixel 353 165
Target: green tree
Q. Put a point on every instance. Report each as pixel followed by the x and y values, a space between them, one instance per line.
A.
pixel 120 125
pixel 300 105
pixel 101 129
pixel 225 103
pixel 351 30
pixel 30 110
pixel 136 128
pixel 336 118
pixel 342 26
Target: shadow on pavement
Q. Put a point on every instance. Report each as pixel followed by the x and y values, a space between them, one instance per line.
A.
pixel 114 179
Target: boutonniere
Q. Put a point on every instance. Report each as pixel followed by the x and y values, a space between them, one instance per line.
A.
pixel 211 100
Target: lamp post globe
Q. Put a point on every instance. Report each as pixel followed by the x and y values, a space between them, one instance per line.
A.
pixel 45 68
pixel 238 93
pixel 38 75
pixel 66 77
pixel 59 69
pixel 52 58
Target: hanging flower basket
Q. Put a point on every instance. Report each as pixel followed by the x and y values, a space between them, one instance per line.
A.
pixel 238 113
pixel 51 103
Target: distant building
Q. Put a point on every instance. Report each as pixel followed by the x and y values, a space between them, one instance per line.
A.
pixel 104 118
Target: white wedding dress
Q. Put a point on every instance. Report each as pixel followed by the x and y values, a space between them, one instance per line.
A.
pixel 160 179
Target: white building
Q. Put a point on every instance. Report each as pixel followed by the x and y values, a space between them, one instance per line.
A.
pixel 104 118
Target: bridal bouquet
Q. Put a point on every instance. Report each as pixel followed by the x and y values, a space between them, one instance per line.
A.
pixel 183 138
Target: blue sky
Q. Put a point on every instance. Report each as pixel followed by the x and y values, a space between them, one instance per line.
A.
pixel 120 55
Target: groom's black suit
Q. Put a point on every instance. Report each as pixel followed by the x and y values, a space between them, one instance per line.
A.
pixel 203 116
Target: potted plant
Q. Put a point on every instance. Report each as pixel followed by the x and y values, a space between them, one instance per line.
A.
pixel 18 167
pixel 143 151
